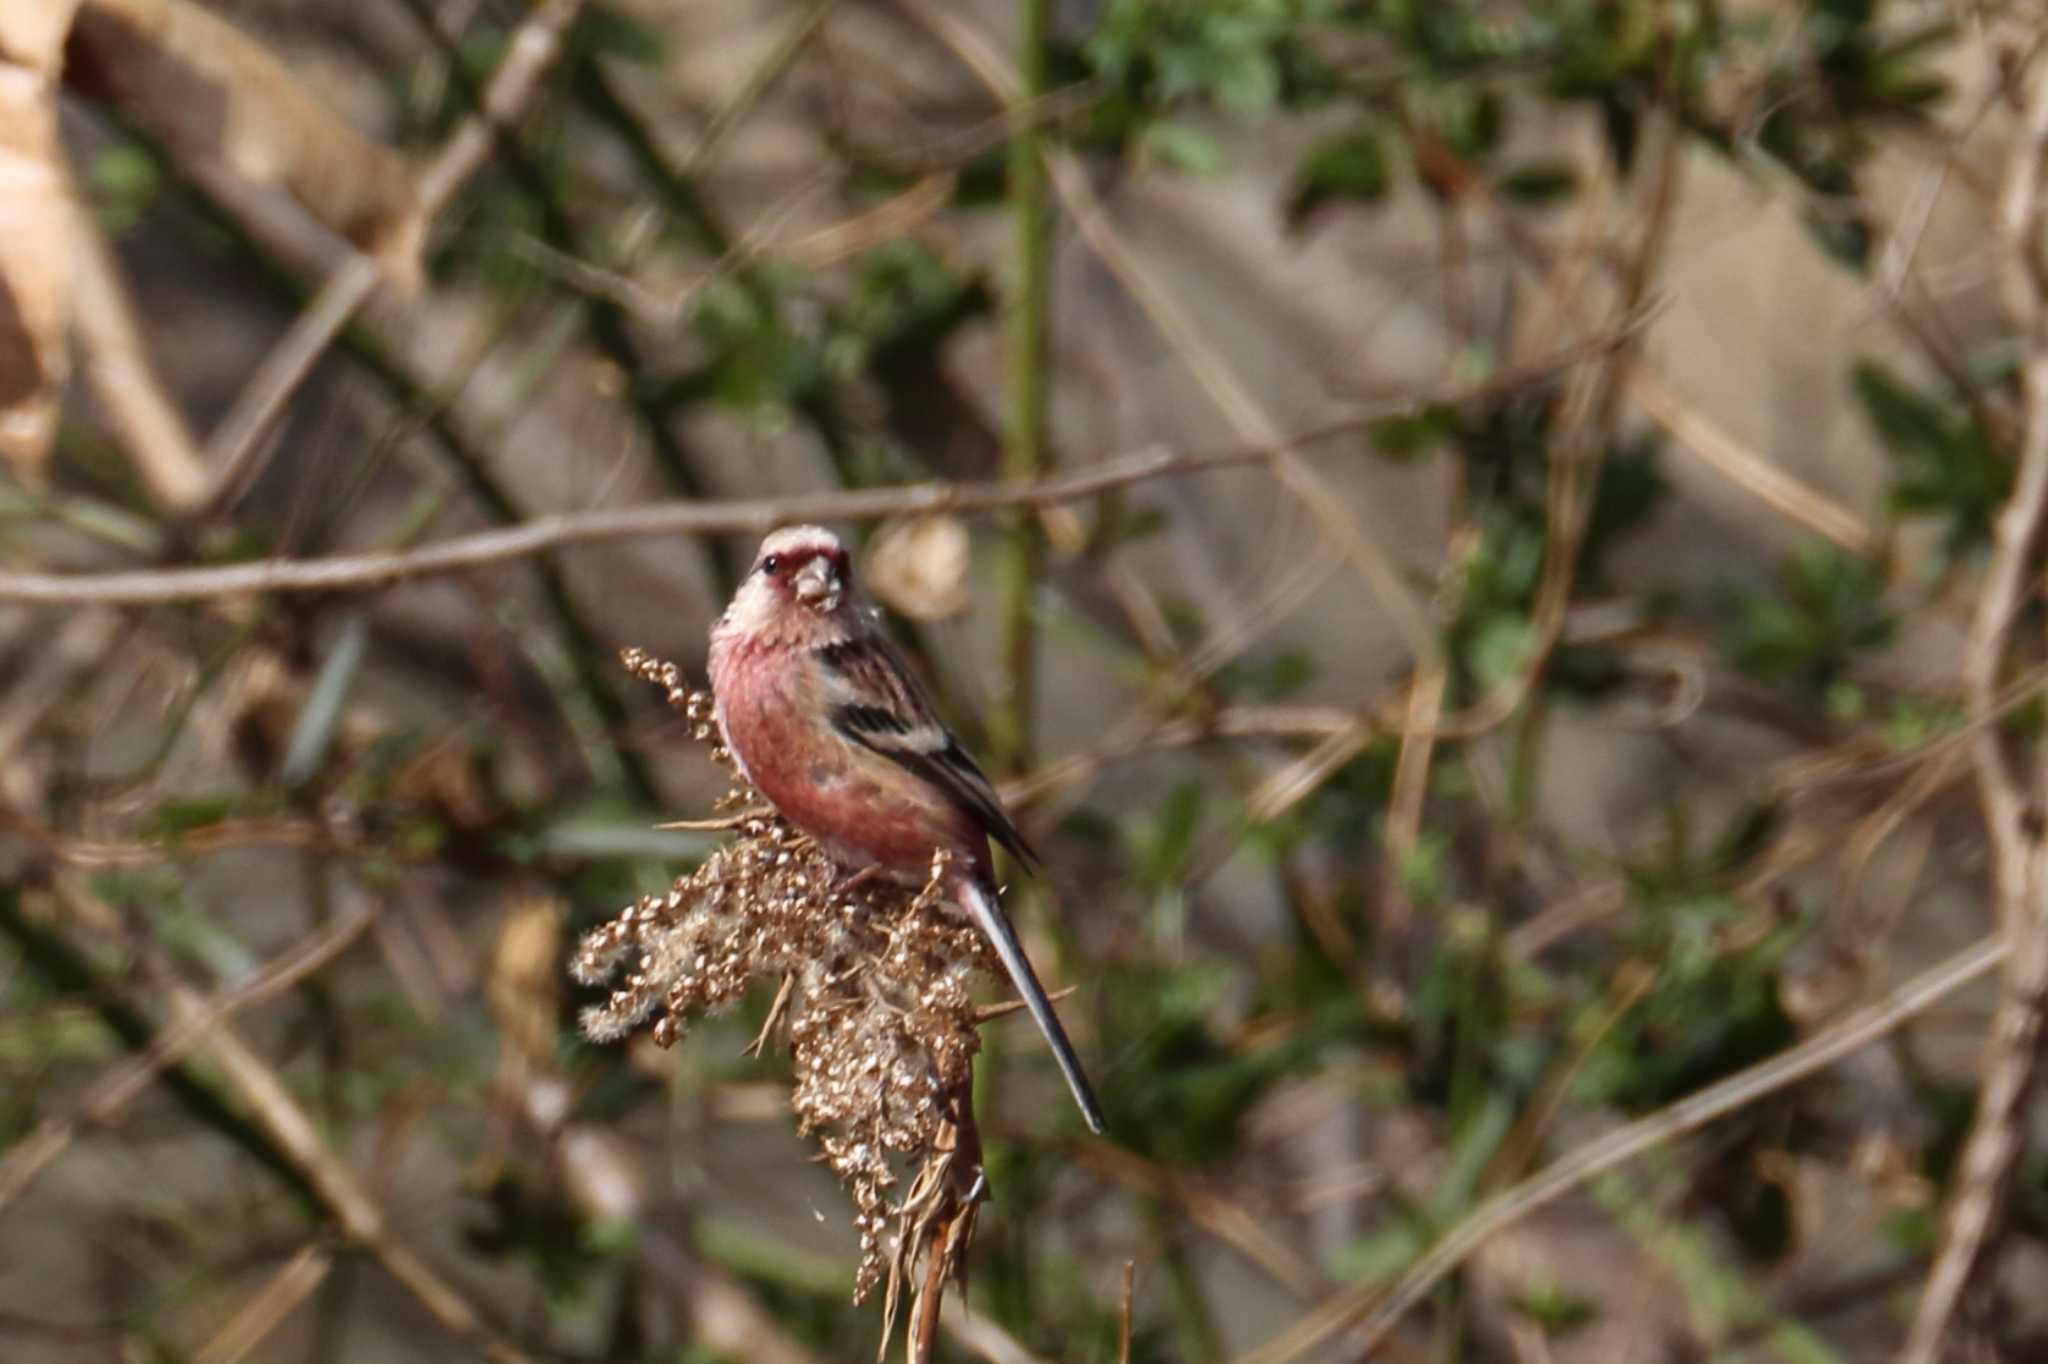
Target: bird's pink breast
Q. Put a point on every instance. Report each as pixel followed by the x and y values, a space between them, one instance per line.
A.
pixel 862 808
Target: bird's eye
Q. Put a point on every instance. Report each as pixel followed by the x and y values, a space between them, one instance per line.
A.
pixel 771 565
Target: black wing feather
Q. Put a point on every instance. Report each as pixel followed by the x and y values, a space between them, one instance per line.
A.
pixel 911 736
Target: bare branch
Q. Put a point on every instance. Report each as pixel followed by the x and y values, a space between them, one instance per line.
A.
pixel 542 534
pixel 293 1282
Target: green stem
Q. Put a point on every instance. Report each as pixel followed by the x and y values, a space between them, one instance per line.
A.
pixel 1024 445
pixel 1201 1333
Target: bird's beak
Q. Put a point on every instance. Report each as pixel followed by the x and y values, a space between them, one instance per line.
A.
pixel 817 581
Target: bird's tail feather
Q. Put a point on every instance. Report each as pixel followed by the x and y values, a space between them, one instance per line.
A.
pixel 989 917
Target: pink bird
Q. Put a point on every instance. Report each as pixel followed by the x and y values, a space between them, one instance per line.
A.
pixel 828 722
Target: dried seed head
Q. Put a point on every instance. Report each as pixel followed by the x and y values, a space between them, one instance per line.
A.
pixel 881 1019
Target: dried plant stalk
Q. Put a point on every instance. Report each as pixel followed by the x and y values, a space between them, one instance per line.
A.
pixel 878 995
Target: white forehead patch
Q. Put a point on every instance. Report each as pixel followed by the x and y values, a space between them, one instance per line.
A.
pixel 791 538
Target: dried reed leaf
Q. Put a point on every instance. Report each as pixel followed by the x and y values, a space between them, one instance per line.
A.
pixel 37 229
pixel 215 98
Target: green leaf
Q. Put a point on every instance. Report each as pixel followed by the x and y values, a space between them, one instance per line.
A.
pixel 608 33
pixel 1499 648
pixel 1631 490
pixel 124 180
pixel 1250 81
pixel 1901 74
pixel 1540 182
pixel 1352 168
pixel 1845 238
pixel 1554 1310
pixel 182 814
pixel 1947 465
pixel 1826 608
pixel 1402 438
pixel 1180 147
pixel 1470 124
pixel 1909 423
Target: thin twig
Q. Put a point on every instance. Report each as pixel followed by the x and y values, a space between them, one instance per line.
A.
pixel 1744 467
pixel 542 534
pixel 1375 1312
pixel 716 1307
pixel 1123 1325
pixel 789 44
pixel 1590 415
pixel 2014 818
pixel 276 1300
pixel 205 840
pixel 979 1334
pixel 989 1013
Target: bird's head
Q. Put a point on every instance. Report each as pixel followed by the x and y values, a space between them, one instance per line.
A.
pixel 800 575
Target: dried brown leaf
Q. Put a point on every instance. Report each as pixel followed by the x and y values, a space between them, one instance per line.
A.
pixel 217 99
pixel 36 232
pixel 525 984
pixel 919 567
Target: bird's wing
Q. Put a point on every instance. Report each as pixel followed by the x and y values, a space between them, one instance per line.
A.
pixel 876 702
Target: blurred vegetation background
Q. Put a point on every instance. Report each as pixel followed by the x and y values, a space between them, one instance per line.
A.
pixel 1601 656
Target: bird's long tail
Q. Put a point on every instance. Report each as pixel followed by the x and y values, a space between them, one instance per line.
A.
pixel 980 903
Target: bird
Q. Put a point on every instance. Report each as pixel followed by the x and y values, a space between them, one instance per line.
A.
pixel 826 719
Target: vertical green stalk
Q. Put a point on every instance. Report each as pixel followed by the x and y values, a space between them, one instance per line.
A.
pixel 1024 453
pixel 1017 562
